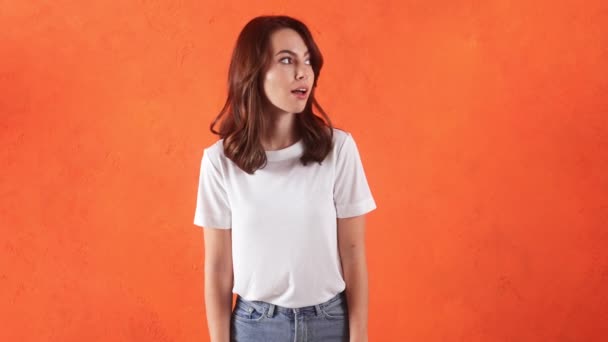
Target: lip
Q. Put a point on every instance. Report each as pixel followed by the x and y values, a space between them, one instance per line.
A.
pixel 301 96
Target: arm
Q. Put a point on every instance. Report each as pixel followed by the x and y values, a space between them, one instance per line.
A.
pixel 218 282
pixel 351 244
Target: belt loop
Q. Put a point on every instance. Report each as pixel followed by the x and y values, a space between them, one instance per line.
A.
pixel 318 309
pixel 270 310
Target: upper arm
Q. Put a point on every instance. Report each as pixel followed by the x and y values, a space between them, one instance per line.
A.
pixel 212 202
pixel 352 195
pixel 218 249
pixel 351 238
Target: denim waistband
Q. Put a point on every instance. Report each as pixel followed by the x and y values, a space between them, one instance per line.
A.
pixel 270 308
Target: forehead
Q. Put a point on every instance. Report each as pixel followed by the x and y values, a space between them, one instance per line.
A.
pixel 287 39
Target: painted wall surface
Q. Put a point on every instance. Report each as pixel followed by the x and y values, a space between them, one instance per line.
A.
pixel 482 125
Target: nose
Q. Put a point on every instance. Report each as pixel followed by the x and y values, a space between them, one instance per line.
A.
pixel 301 74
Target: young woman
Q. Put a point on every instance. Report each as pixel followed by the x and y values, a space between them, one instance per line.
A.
pixel 282 197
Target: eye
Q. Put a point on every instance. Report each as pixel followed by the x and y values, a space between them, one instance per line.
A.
pixel 289 61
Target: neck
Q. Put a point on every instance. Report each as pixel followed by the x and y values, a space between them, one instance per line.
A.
pixel 281 132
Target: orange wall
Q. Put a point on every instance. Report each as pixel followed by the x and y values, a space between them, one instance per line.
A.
pixel 482 126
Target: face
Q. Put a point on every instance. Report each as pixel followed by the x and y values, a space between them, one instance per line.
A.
pixel 290 69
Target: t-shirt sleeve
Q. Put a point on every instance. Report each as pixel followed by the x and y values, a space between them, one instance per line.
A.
pixel 352 195
pixel 212 206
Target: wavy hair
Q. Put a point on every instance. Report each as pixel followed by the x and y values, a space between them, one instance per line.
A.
pixel 244 121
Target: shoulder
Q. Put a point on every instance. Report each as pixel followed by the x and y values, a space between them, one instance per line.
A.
pixel 340 138
pixel 215 152
pixel 216 149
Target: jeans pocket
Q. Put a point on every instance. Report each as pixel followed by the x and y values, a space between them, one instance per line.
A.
pixel 336 310
pixel 247 313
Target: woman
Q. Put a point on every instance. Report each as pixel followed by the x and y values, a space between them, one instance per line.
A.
pixel 282 197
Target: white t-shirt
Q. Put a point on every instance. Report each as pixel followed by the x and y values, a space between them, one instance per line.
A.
pixel 283 219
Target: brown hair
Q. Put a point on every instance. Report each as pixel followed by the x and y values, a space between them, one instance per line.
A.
pixel 245 121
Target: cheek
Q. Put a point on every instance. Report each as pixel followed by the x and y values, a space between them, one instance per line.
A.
pixel 272 82
pixel 270 75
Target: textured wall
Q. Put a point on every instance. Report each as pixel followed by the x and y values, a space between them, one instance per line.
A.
pixel 482 126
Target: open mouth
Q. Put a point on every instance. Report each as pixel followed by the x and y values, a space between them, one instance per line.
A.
pixel 300 91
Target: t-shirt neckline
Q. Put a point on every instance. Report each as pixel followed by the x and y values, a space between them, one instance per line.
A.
pixel 293 151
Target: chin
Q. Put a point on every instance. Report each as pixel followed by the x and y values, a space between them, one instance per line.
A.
pixel 297 110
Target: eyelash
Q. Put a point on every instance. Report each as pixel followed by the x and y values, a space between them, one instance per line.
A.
pixel 308 60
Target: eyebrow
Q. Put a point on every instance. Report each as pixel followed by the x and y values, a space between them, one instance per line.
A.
pixel 290 52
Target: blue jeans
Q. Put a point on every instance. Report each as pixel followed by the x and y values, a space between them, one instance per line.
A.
pixel 261 321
